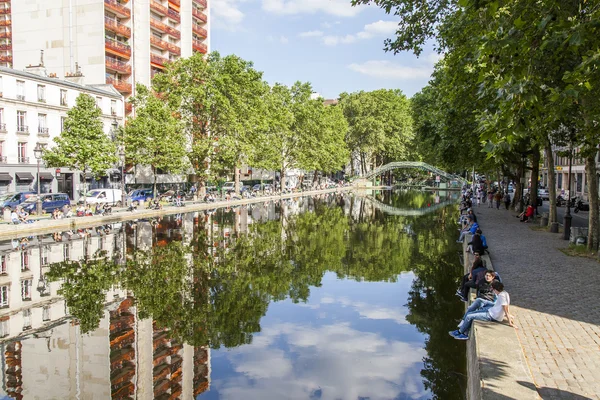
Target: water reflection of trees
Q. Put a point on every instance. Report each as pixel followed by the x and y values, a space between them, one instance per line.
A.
pixel 217 298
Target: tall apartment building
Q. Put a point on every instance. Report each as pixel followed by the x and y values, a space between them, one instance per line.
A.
pixel 119 42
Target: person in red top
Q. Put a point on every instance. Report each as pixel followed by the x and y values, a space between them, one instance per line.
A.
pixel 527 214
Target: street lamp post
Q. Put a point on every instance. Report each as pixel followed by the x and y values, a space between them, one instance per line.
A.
pixel 37 152
pixel 123 195
pixel 567 218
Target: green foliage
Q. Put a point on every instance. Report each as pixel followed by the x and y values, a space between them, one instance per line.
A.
pixel 154 137
pixel 83 145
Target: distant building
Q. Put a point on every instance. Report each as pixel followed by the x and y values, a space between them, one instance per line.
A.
pixel 33 107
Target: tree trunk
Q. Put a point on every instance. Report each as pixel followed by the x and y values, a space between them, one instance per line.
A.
pixel 154 194
pixel 553 217
pixel 84 185
pixel 535 173
pixel 282 178
pixel 236 176
pixel 590 170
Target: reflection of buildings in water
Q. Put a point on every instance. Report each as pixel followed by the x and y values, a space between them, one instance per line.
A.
pixel 44 354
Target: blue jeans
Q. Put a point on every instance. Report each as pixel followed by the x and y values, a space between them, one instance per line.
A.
pixel 478 311
pixel 479 305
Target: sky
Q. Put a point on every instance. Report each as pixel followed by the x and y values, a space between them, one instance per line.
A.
pixel 336 47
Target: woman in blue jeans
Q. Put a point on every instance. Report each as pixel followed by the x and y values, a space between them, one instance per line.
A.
pixel 484 310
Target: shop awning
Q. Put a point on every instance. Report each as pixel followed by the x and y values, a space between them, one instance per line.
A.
pixel 46 176
pixel 5 177
pixel 24 176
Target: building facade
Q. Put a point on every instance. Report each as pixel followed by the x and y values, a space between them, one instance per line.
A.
pixel 33 108
pixel 119 42
pixel 561 171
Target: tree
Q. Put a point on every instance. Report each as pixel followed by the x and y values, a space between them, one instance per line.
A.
pixel 221 101
pixel 154 137
pixel 83 145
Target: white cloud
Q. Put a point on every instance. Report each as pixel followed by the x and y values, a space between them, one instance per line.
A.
pixel 283 40
pixel 369 311
pixel 226 14
pixel 340 8
pixel 334 40
pixel 311 34
pixel 339 361
pixel 376 29
pixel 391 70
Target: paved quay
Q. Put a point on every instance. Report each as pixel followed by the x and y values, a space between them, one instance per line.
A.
pixel 554 298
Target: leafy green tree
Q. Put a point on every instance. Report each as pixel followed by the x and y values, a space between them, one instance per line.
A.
pixel 154 136
pixel 221 101
pixel 83 145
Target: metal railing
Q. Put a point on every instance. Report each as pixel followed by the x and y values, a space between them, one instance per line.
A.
pixel 121 86
pixel 122 48
pixel 22 129
pixel 23 160
pixel 119 66
pixel 174 15
pixel 158 60
pixel 117 8
pixel 21 97
pixel 199 14
pixel 199 46
pixel 159 8
pixel 43 131
pixel 165 28
pixel 197 29
pixel 117 27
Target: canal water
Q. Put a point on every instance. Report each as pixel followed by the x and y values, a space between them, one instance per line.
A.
pixel 337 296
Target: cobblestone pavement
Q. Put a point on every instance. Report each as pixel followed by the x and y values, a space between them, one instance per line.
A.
pixel 556 301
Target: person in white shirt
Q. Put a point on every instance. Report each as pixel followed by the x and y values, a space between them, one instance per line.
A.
pixel 488 312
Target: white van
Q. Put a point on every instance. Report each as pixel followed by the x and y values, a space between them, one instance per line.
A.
pixel 101 196
pixel 228 187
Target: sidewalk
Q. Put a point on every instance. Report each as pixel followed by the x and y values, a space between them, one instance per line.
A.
pixel 555 299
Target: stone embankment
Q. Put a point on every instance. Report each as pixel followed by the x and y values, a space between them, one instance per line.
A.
pixel 11 231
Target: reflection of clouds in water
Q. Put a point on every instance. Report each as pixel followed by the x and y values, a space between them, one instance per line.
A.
pixel 369 311
pixel 341 362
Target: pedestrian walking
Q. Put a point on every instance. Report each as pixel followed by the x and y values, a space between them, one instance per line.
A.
pixel 491 199
pixel 498 198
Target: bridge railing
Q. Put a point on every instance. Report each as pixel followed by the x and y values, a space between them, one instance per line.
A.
pixel 411 164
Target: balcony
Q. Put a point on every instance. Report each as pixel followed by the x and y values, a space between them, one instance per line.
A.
pixel 198 30
pixel 5 35
pixel 23 160
pixel 118 66
pixel 3 160
pixel 176 3
pixel 21 97
pixel 43 132
pixel 6 59
pixel 116 27
pixel 4 11
pixel 121 86
pixel 118 48
pixel 159 26
pixel 2 128
pixel 199 14
pixel 120 10
pixel 23 129
pixel 6 46
pixel 201 2
pixel 5 22
pixel 158 61
pixel 174 15
pixel 156 42
pixel 158 8
pixel 173 49
pixel 199 46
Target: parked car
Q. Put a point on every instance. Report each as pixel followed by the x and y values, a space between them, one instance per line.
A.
pixel 544 194
pixel 267 187
pixel 13 199
pixel 50 202
pixel 102 196
pixel 138 195
pixel 228 187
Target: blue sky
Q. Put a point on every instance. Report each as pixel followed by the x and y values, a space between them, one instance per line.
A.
pixel 336 47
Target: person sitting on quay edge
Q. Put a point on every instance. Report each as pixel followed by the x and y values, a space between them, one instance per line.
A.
pixel 471 228
pixel 494 312
pixel 476 244
pixel 471 279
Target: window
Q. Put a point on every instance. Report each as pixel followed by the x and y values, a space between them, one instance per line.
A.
pixel 2 157
pixel 25 261
pixel 20 90
pixel 67 252
pixel 26 289
pixel 46 313
pixel 42 125
pixel 22 122
pixel 4 328
pixel 2 123
pixel 26 319
pixel 63 97
pixel 99 102
pixel 41 93
pixel 44 256
pixel 62 123
pixel 113 107
pixel 22 152
pixel 4 264
pixel 1 86
pixel 3 296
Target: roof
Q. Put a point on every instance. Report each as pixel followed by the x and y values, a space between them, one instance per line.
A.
pixel 60 82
